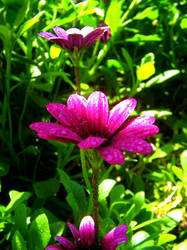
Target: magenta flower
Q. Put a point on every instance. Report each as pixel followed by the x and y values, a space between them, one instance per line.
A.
pixel 107 33
pixel 85 237
pixel 89 124
pixel 75 37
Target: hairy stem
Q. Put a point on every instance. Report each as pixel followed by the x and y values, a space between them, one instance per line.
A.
pixel 95 202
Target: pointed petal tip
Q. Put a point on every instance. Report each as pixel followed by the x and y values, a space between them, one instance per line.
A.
pixel 87 231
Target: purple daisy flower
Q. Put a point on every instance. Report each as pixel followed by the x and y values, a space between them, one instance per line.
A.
pixel 85 237
pixel 75 37
pixel 89 124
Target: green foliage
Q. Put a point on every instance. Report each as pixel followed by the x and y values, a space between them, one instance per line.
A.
pixel 41 183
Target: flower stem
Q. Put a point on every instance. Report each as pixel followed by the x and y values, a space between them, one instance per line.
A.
pixel 77 77
pixel 95 202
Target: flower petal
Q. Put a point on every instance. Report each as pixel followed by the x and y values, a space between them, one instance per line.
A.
pixel 143 120
pixel 54 247
pixel 131 144
pixel 47 35
pixel 54 131
pixel 74 231
pixel 119 114
pixel 75 40
pixel 77 105
pixel 97 112
pixel 67 244
pixel 87 232
pixel 114 238
pixel 61 42
pixel 139 131
pixel 60 32
pixel 86 30
pixel 91 142
pixel 93 36
pixel 61 113
pixel 112 155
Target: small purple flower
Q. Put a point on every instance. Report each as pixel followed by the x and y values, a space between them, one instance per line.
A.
pixel 85 237
pixel 75 37
pixel 89 124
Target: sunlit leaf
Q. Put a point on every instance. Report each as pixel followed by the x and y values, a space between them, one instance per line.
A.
pixel 150 12
pixel 145 71
pixel 144 38
pixel 28 24
pixel 183 23
pixel 18 243
pixel 54 51
pixel 16 199
pixel 165 238
pixel 39 233
pixel 104 188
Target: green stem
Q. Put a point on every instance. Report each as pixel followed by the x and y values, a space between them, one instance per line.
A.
pixel 95 202
pixel 77 77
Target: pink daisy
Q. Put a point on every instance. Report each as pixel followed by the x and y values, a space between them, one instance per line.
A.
pixel 90 124
pixel 85 237
pixel 75 37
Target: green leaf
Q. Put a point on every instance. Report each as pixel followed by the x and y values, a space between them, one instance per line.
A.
pixel 104 189
pixel 47 188
pixel 161 152
pixel 137 202
pixel 39 233
pixel 113 15
pixel 144 38
pixel 18 242
pixel 158 113
pixel 150 12
pixel 152 248
pixel 161 77
pixel 183 23
pixel 117 193
pixel 21 218
pixel 141 238
pixel 147 68
pixel 16 199
pixel 4 168
pixel 28 24
pixel 178 172
pixel 165 238
pixel 5 35
pixel 181 246
pixel 75 192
